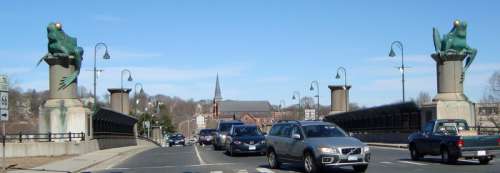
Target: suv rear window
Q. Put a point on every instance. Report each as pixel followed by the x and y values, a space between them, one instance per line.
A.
pixel 225 127
pixel 275 131
pixel 318 131
pixel 206 132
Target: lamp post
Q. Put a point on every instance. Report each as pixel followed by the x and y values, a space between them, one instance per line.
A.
pixel 121 87
pixel 282 105
pixel 105 56
pixel 135 96
pixel 402 68
pixel 345 84
pixel 297 93
pixel 317 95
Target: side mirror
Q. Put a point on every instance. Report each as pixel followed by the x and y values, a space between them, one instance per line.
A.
pixel 296 136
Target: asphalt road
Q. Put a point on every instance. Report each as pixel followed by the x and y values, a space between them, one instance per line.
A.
pixel 198 159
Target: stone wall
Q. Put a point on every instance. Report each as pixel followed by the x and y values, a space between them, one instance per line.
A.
pixel 31 149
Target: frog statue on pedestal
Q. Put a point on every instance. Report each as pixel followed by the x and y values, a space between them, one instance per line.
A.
pixel 455 43
pixel 62 45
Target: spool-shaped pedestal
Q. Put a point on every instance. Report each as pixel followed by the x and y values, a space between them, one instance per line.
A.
pixel 339 98
pixel 450 77
pixel 60 67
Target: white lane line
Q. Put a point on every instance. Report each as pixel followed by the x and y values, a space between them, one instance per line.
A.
pixel 387 163
pixel 264 170
pixel 198 155
pixel 242 171
pixel 215 171
pixel 414 163
pixel 389 148
pixel 173 166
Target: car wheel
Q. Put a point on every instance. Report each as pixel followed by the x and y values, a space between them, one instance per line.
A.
pixel 447 157
pixel 309 163
pixel 360 168
pixel 484 160
pixel 415 155
pixel 272 159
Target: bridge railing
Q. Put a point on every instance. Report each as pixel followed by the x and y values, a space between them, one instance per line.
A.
pixel 42 137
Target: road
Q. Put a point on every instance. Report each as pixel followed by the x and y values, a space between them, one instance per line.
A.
pixel 199 159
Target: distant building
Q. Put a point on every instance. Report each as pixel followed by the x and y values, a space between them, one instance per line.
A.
pixel 487 114
pixel 250 112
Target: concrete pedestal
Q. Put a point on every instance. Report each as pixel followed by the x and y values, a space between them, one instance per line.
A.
pixel 63 116
pixel 339 98
pixel 63 112
pixel 450 101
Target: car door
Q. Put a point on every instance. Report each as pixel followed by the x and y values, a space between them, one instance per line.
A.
pixel 296 146
pixel 423 142
pixel 285 138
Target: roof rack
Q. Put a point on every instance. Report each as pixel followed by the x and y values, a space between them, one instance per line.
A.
pixel 289 121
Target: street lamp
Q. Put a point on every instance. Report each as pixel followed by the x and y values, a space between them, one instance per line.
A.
pixel 317 95
pixel 282 105
pixel 135 96
pixel 121 88
pixel 105 56
pixel 297 93
pixel 345 84
pixel 402 68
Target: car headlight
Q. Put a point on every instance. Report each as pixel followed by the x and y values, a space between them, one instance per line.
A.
pixel 223 136
pixel 237 142
pixel 328 150
pixel 182 140
pixel 263 141
pixel 366 149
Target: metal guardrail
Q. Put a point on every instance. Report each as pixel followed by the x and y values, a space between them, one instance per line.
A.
pixel 42 137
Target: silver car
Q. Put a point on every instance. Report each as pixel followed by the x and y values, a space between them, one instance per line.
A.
pixel 316 145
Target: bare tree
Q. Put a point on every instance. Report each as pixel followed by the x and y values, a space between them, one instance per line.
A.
pixel 423 98
pixel 492 91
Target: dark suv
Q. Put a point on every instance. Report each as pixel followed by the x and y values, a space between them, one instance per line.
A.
pixel 245 139
pixel 222 131
pixel 316 145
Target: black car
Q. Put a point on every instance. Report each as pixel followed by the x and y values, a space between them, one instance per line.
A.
pixel 221 133
pixel 176 140
pixel 206 136
pixel 245 139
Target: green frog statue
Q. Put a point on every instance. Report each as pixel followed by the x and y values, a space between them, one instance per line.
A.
pixel 454 43
pixel 62 45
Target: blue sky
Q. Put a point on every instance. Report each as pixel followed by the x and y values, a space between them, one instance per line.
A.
pixel 262 49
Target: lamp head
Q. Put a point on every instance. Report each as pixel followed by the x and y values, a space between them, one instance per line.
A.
pixel 106 55
pixel 130 78
pixel 293 97
pixel 392 53
pixel 311 88
pixel 337 76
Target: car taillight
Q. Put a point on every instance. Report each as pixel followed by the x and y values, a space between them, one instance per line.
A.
pixel 498 141
pixel 460 143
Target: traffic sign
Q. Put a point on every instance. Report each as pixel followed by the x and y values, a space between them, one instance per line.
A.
pixel 4 98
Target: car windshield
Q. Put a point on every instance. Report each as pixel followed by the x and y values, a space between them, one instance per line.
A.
pixel 227 126
pixel 177 137
pixel 206 132
pixel 316 131
pixel 247 131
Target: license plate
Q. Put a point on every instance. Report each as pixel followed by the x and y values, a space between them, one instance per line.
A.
pixel 251 147
pixel 481 153
pixel 352 158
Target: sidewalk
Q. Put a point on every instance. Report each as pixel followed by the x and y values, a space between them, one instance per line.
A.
pixel 82 162
pixel 388 145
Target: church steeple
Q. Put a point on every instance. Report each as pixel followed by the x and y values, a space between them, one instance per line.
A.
pixel 218 96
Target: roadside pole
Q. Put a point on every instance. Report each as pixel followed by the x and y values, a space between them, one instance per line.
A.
pixel 4 113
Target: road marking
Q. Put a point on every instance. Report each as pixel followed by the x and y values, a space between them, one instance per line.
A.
pixel 389 148
pixel 414 163
pixel 173 166
pixel 242 171
pixel 198 155
pixel 264 170
pixel 386 162
pixel 216 172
